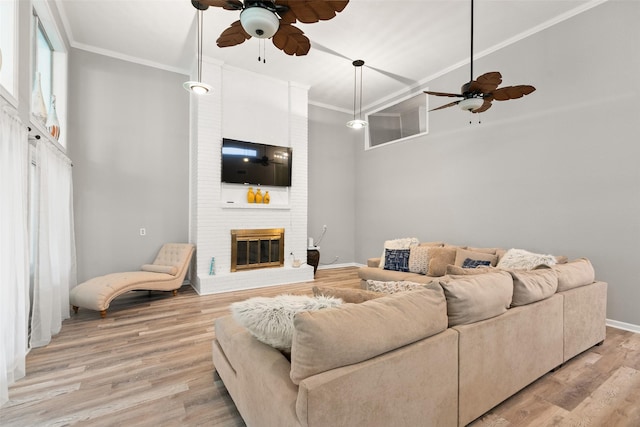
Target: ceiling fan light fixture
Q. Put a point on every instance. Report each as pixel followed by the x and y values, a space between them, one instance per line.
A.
pixel 259 22
pixel 471 104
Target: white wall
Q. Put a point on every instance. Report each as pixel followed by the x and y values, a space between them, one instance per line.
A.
pixel 555 172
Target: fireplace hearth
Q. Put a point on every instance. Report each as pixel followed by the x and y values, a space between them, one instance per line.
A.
pixel 257 248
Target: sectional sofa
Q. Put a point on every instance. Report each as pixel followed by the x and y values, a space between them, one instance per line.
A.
pixel 441 354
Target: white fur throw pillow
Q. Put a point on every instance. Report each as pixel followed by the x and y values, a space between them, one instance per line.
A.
pixel 270 320
pixel 519 259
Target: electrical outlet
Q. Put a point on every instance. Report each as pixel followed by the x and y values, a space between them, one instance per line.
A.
pixel 143 231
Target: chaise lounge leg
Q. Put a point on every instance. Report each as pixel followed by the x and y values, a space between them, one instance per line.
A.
pixel 75 309
pixel 103 313
pixel 600 343
pixel 175 292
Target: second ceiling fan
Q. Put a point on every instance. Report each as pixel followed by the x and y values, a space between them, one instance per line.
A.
pixel 478 94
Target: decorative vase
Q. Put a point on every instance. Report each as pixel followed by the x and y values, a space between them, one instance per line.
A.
pixel 251 197
pixel 259 196
pixel 267 198
pixel 38 109
pixel 53 125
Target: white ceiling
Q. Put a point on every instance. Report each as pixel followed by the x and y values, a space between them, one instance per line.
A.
pixel 404 43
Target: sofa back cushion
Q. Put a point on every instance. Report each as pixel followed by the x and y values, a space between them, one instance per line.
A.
pixel 574 274
pixel 477 297
pixel 534 285
pixel 356 332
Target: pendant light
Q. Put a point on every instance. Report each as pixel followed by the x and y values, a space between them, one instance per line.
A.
pixel 357 123
pixel 198 87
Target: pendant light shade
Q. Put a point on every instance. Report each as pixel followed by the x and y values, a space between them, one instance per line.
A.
pixel 197 87
pixel 357 123
pixel 259 22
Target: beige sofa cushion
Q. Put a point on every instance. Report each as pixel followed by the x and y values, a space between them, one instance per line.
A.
pixel 356 332
pixel 355 296
pixel 459 271
pixel 532 286
pixel 439 258
pixel 463 254
pixel 574 274
pixel 474 298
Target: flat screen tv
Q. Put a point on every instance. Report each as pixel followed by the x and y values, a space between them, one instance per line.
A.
pixel 257 164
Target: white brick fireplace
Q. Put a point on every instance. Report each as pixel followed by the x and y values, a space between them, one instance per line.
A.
pixel 248 107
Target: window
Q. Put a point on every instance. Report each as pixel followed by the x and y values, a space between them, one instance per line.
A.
pixel 8 30
pixel 43 60
pixel 398 122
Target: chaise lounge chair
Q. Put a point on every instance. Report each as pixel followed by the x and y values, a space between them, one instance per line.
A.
pixel 165 274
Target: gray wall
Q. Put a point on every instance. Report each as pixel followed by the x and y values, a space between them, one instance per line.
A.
pixel 128 140
pixel 332 148
pixel 556 172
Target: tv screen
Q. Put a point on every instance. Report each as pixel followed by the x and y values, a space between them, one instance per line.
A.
pixel 258 164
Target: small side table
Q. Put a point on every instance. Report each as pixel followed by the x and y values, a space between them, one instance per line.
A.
pixel 313 258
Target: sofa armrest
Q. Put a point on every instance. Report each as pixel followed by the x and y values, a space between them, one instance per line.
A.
pixel 414 385
pixel 373 262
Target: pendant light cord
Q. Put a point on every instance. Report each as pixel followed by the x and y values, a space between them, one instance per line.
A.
pixel 360 112
pixel 200 46
pixel 355 82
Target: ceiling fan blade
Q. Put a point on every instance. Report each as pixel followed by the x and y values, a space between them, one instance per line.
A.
pixel 512 92
pixel 451 104
pixel 444 94
pixel 232 36
pixel 311 11
pixel 484 107
pixel 225 4
pixel 486 83
pixel 291 40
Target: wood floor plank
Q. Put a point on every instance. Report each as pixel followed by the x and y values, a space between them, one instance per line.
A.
pixel 148 363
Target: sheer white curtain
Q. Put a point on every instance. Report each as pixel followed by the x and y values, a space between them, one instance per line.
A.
pixel 14 248
pixel 55 268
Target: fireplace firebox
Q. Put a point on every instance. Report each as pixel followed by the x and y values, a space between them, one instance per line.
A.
pixel 257 248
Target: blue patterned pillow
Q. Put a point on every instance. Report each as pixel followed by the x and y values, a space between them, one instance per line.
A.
pixel 473 263
pixel 396 259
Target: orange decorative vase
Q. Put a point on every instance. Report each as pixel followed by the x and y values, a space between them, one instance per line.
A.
pixel 267 198
pixel 259 196
pixel 251 197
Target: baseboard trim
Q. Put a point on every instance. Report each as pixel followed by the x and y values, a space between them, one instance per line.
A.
pixel 622 325
pixel 346 264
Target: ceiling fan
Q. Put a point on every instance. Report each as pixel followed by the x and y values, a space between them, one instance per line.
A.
pixel 273 19
pixel 478 94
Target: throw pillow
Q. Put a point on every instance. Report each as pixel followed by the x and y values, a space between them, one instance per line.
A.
pixel 480 258
pixel 474 298
pixel 391 287
pixel 573 274
pixel 519 259
pixel 396 259
pixel 355 296
pixel 419 259
pixel 532 286
pixel 439 258
pixel 155 268
pixel 270 320
pixel 404 243
pixel 475 263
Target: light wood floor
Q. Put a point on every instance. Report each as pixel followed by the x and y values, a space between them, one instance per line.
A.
pixel 148 363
